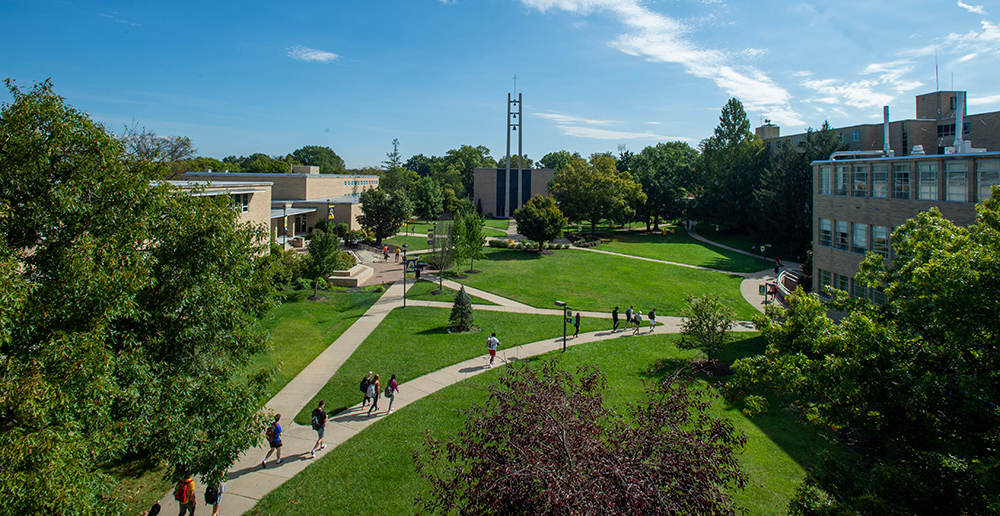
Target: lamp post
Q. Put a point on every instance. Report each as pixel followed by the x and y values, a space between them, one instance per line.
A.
pixel 404 275
pixel 564 307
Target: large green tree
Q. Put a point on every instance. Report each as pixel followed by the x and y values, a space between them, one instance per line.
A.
pixel 911 386
pixel 596 190
pixel 729 170
pixel 784 199
pixel 540 219
pixel 383 213
pixel 664 170
pixel 469 237
pixel 127 316
pixel 557 160
pixel 428 198
pixel 465 159
pixel 318 156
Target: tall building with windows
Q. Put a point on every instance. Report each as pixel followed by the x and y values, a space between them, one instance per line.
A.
pixel 857 203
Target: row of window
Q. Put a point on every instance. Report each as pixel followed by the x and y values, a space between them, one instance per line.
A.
pixel 876 180
pixel 854 236
pixel 944 130
pixel 360 182
pixel 850 285
pixel 855 136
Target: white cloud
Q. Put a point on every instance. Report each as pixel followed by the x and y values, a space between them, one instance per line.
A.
pixel 662 39
pixel 967 57
pixel 448 2
pixel 655 123
pixel 981 101
pixel 888 81
pixel 975 9
pixel 567 119
pixel 986 41
pixel 311 54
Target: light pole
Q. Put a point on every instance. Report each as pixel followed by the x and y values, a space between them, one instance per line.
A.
pixel 564 307
pixel 404 275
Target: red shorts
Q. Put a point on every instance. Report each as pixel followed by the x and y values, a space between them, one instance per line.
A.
pixel 493 352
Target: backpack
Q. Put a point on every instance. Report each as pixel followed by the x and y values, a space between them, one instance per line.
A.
pixel 270 433
pixel 364 385
pixel 315 419
pixel 181 493
pixel 371 391
pixel 211 494
pixel 388 390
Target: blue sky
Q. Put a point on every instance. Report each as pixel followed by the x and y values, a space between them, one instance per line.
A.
pixel 254 76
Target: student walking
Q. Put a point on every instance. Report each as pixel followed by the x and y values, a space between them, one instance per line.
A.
pixel 628 317
pixel 652 320
pixel 638 322
pixel 273 437
pixel 397 255
pixel 576 324
pixel 491 344
pixel 373 393
pixel 390 391
pixel 319 425
pixel 365 382
pixel 614 319
pixel 184 494
pixel 385 252
pixel 213 494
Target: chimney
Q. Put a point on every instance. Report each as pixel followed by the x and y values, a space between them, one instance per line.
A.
pixel 885 133
pixel 959 122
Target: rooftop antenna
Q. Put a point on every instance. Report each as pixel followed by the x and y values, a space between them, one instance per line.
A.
pixel 937 84
pixel 952 81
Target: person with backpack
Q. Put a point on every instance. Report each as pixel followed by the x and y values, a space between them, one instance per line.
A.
pixel 652 320
pixel 274 438
pixel 319 425
pixel 614 319
pixel 184 494
pixel 576 324
pixel 391 389
pixel 373 393
pixel 629 317
pixel 365 382
pixel 213 493
pixel 491 345
pixel 638 322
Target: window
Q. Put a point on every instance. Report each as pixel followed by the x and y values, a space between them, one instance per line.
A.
pixel 841 136
pixel 878 297
pixel 841 282
pixel 880 240
pixel 858 290
pixel 945 130
pixel 859 242
pixel 825 280
pixel 987 174
pixel 927 181
pixel 843 180
pixel 825 232
pixel 841 235
pixel 880 180
pixel 860 180
pixel 241 202
pixel 901 181
pixel 825 176
pixel 956 173
pixel 855 135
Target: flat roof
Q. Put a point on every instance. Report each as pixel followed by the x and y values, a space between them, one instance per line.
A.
pixel 966 155
pixel 277 213
pixel 289 174
pixel 214 184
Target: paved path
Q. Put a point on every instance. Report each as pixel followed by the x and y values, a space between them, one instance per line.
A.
pixel 248 482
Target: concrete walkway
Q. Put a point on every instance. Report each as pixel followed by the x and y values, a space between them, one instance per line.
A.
pixel 248 482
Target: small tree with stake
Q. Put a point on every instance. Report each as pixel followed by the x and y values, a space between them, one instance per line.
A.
pixel 706 326
pixel 461 312
pixel 544 442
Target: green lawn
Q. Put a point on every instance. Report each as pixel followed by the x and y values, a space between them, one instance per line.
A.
pixel 300 329
pixel 422 290
pixel 501 224
pixel 742 240
pixel 373 473
pixel 412 242
pixel 599 282
pixel 681 248
pixel 413 342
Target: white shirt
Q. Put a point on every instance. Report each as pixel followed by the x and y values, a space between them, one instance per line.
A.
pixel 492 342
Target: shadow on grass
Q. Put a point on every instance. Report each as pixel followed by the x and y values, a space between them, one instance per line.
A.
pixel 512 255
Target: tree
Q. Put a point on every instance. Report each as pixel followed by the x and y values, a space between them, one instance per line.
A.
pixel 910 386
pixel 706 326
pixel 544 442
pixel 465 159
pixel 394 176
pixel 596 190
pixel 729 169
pixel 260 163
pixel 420 164
pixel 822 142
pixel 664 171
pixel 557 160
pixel 526 162
pixel 323 157
pixel 461 312
pixel 469 237
pixel 383 213
pixel 540 220
pixel 428 198
pixel 146 145
pixel 784 198
pixel 128 316
pixel 325 255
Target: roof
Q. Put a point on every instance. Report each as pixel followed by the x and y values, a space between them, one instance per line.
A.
pixel 289 174
pixel 966 155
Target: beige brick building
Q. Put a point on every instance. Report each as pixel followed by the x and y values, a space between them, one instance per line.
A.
pixel 857 203
pixel 491 188
pixel 251 199
pixel 300 199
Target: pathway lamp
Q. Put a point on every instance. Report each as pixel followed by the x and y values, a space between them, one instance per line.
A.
pixel 404 275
